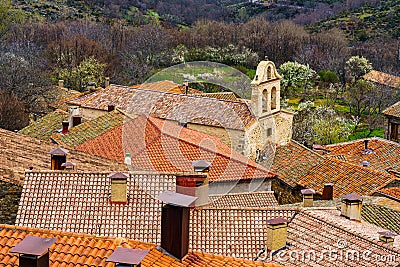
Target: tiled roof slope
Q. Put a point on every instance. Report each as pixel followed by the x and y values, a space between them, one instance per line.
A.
pixel 167 87
pixel 383 78
pixel 46 126
pixel 90 129
pixel 19 152
pixel 177 107
pixel 382 216
pixel 82 250
pixel 385 154
pixel 393 110
pixel 163 146
pixel 346 177
pixel 246 199
pixel 292 161
pixel 222 95
pixel 392 192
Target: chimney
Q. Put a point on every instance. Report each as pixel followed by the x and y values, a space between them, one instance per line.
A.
pixel 276 233
pixel 127 257
pixel 175 223
pixel 34 251
pixel 351 206
pixel 58 157
pixel 65 125
pixel 182 124
pixel 107 82
pixel 387 237
pixel 365 163
pixel 73 111
pixel 327 192
pixel 61 83
pixel 119 188
pixel 110 107
pixel 128 160
pixel 366 144
pixel 186 86
pixel 308 197
pixel 195 185
pixel 69 166
pixel 76 120
pixel 91 86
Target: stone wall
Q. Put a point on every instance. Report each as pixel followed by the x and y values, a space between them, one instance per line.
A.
pixel 9 199
pixel 255 185
pixel 286 194
pixel 90 114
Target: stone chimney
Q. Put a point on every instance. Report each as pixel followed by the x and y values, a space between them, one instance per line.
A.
pixel 34 251
pixel 65 125
pixel 387 237
pixel 327 192
pixel 276 233
pixel 119 188
pixel 175 219
pixel 195 185
pixel 308 197
pixel 107 82
pixel 61 83
pixel 127 257
pixel 58 157
pixel 351 206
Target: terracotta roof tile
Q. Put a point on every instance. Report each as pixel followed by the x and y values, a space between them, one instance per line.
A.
pixel 222 95
pixel 163 146
pixel 384 217
pixel 383 78
pixel 247 199
pixel 177 107
pixel 393 192
pixel 73 249
pixel 167 87
pixel 46 126
pixel 393 110
pixel 19 152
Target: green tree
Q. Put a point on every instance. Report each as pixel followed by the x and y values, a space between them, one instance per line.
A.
pixel 8 16
pixel 356 67
pixel 295 76
pixel 89 70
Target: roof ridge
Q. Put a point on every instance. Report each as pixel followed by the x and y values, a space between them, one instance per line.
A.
pixel 309 150
pixel 242 193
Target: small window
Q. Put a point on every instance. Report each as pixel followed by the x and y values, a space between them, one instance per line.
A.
pixel 269 73
pixel 269 131
pixel 273 98
pixel 265 101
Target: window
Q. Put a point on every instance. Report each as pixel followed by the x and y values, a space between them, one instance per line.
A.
pixel 265 101
pixel 269 131
pixel 273 98
pixel 269 73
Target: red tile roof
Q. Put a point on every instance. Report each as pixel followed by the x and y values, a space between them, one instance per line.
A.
pixel 383 78
pixel 393 110
pixel 384 155
pixel 246 199
pixel 82 250
pixel 177 107
pixel 167 87
pixel 393 192
pixel 163 146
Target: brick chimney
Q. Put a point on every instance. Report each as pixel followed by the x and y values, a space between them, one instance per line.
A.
pixel 276 233
pixel 351 206
pixel 34 251
pixel 327 192
pixel 76 120
pixel 119 188
pixel 387 237
pixel 107 82
pixel 127 257
pixel 61 83
pixel 308 197
pixel 175 223
pixel 65 125
pixel 58 157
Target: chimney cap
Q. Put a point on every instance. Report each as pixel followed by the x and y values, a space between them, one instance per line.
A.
pixel 68 164
pixel 387 234
pixel 91 84
pixel 352 197
pixel 201 165
pixel 59 151
pixel 118 175
pixel 329 184
pixel 277 221
pixel 308 191
pixel 176 199
pixel 128 256
pixel 33 245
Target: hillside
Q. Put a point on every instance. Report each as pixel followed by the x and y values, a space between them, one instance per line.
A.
pixel 370 20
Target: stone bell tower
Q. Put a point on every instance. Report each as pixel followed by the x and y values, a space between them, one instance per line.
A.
pixel 265 95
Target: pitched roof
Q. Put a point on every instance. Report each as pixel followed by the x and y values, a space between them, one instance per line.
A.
pixel 384 217
pixel 384 155
pixel 245 199
pixel 383 78
pixel 177 107
pixel 346 177
pixel 46 126
pixel 90 129
pixel 73 249
pixel 167 87
pixel 292 161
pixel 163 146
pixel 221 95
pixel 393 110
pixel 392 192
pixel 19 152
